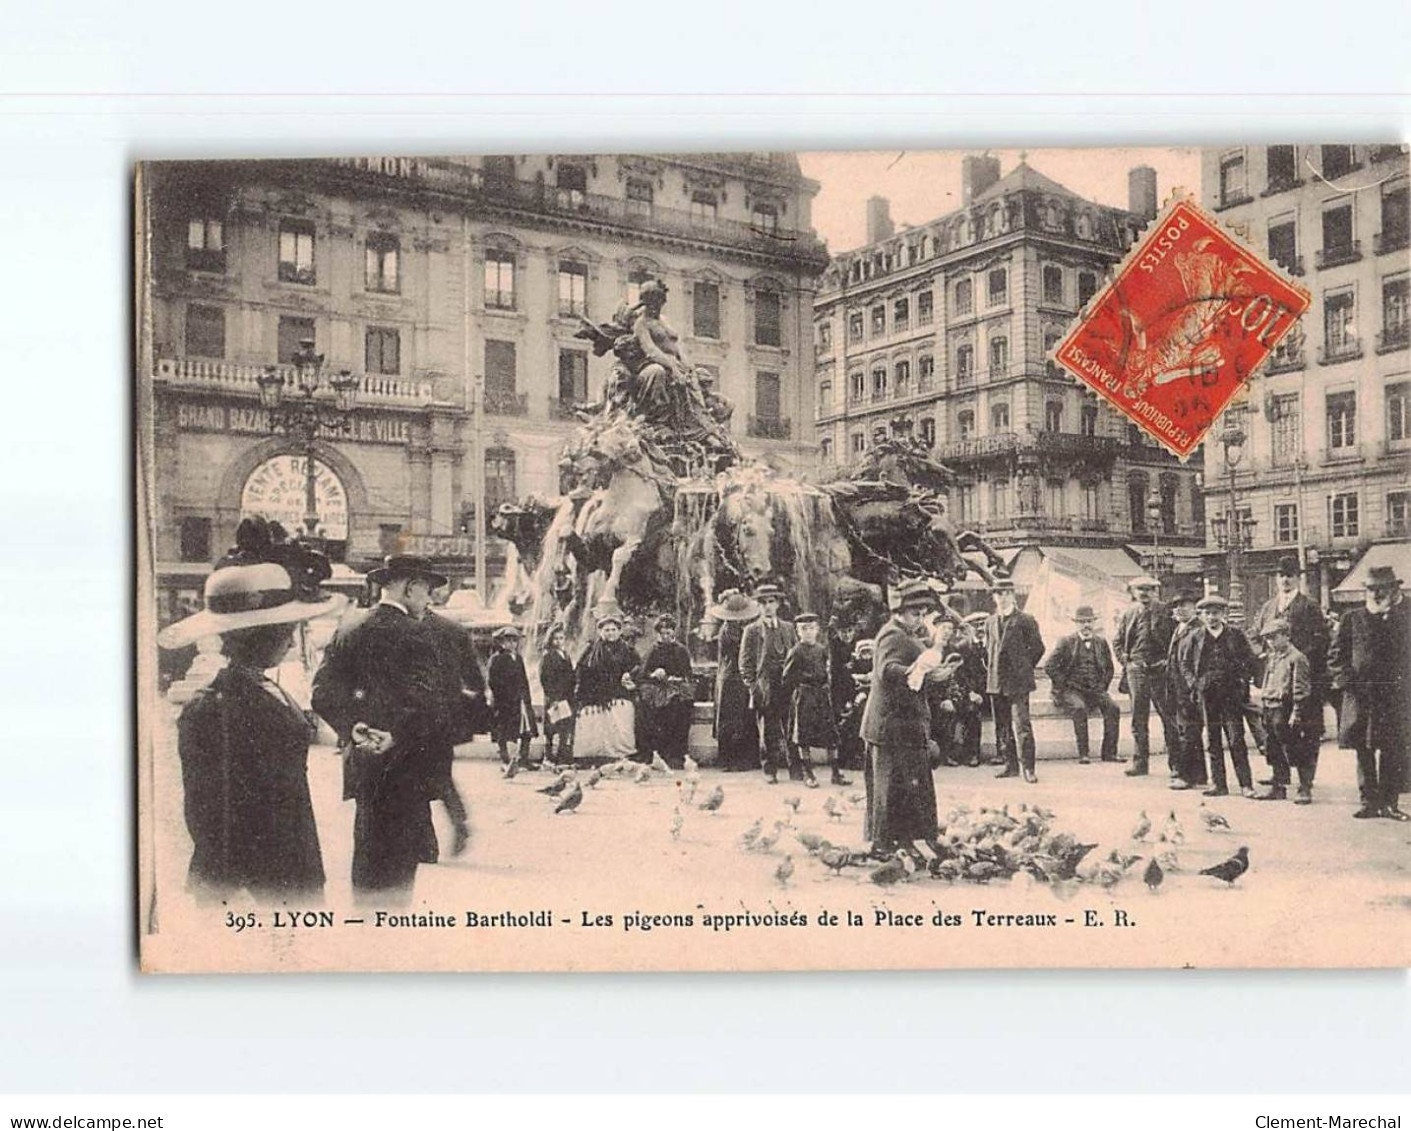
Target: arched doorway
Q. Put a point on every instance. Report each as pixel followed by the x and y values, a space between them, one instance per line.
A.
pixel 275 489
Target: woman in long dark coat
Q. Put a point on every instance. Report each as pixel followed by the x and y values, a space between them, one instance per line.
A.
pixel 736 731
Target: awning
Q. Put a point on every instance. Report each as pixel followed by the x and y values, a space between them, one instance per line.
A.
pixel 1394 554
pixel 1184 559
pixel 1097 562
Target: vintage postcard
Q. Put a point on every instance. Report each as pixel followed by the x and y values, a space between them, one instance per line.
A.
pixel 774 561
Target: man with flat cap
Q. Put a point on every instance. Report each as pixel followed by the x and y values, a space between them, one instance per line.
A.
pixel 1013 650
pixel 1080 669
pixel 1285 699
pixel 1218 665
pixel 1141 643
pixel 380 688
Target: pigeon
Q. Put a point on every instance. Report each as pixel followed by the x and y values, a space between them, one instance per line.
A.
pixel 659 764
pixel 643 775
pixel 676 822
pixel 947 869
pixel 884 875
pixel 835 859
pixel 833 809
pixel 857 798
pixel 594 778
pixel 1153 875
pixel 751 834
pixel 570 800
pixel 767 842
pixel 793 802
pixel 1109 874
pixel 1168 860
pixel 1071 858
pixel 690 765
pixel 558 785
pixel 784 871
pixel 983 871
pixel 1143 827
pixel 811 841
pixel 688 790
pixel 1213 820
pixel 1172 832
pixel 715 800
pixel 1230 870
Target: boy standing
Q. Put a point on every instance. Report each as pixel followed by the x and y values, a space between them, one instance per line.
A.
pixel 1286 699
pixel 512 710
pixel 808 688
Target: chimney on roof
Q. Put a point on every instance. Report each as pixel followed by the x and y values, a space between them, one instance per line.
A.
pixel 879 218
pixel 976 175
pixel 1141 191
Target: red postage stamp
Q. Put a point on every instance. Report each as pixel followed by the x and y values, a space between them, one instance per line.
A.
pixel 1189 316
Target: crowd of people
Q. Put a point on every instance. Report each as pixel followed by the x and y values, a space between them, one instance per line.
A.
pixel 400 685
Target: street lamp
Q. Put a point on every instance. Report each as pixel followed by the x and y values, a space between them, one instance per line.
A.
pixel 301 413
pixel 1234 531
pixel 1156 562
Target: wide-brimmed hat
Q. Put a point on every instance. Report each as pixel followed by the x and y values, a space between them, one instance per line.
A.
pixel 1184 597
pixel 1213 601
pixel 1084 613
pixel 915 594
pixel 734 605
pixel 1145 581
pixel 1288 566
pixel 1380 575
pixel 1277 624
pixel 397 566
pixel 768 590
pixel 247 596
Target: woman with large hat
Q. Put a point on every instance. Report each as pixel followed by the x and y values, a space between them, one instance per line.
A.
pixel 607 721
pixel 736 731
pixel 244 743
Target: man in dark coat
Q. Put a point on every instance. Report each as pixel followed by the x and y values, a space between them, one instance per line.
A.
pixel 896 725
pixel 1308 633
pixel 1014 648
pixel 466 713
pixel 1370 661
pixel 1219 664
pixel 971 679
pixel 1141 643
pixel 666 696
pixel 513 725
pixel 1080 669
pixel 380 688
pixel 808 685
pixel 763 649
pixel 1182 706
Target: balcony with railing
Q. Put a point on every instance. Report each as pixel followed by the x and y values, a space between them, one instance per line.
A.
pixel 505 402
pixel 1394 338
pixel 243 378
pixel 769 427
pixel 1349 349
pixel 1285 359
pixel 977 448
pixel 1283 183
pixel 1336 255
pixel 1390 239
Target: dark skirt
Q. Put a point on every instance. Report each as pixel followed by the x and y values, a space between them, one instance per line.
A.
pixel 811 718
pixel 901 796
pixel 736 731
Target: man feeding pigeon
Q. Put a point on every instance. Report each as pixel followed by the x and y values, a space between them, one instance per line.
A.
pixel 1287 700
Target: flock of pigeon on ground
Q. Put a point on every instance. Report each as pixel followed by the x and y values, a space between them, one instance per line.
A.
pixel 975 846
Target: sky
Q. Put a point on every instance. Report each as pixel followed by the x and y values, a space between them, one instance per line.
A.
pixel 922 185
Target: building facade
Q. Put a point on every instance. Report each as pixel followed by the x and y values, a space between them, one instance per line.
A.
pixel 946 330
pixel 1325 470
pixel 446 285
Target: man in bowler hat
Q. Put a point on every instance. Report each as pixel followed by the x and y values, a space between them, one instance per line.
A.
pixel 1080 670
pixel 764 647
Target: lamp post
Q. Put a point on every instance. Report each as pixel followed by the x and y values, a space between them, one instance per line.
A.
pixel 299 411
pixel 1233 530
pixel 1156 562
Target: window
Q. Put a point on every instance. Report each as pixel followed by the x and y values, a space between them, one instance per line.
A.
pixel 1087 286
pixel 999 357
pixel 855 326
pixel 1337 321
pixel 879 321
pixel 859 443
pixel 573 377
pixel 901 314
pixel 766 318
pixel 1398 397
pixel 999 418
pixel 858 387
pixel 825 397
pixel 1084 226
pixel 1399 513
pixel 1092 504
pixel 925 372
pixel 499 279
pixel 963 499
pixel 964 297
pixel 573 288
pixel 572 185
pixel 1337 161
pixel 964 364
pixel 924 308
pixel 499 366
pixel 879 383
pixel 497 168
pixel 205 244
pixel 1232 180
pixel 1342 420
pixel 1053 284
pixel 825 337
pixel 1054 504
pixel 1337 230
pixel 1282 171
pixel 196 539
pixel 381 262
pixel 1136 502
pixel 1285 523
pixel 1394 216
pixel 639 196
pixel 901 375
pixel 292 331
pixel 999 499
pixel 765 217
pixel 1394 322
pixel 1053 416
pixel 766 396
pixel 635 278
pixel 1283 245
pixel 1087 420
pixel 704 207
pixel 965 424
pixel 1343 515
pixel 1169 485
pixel 499 478
pixel 296 252
pixel 928 431
pixel 998 286
pixel 205 331
pixel 1286 430
pixel 383 351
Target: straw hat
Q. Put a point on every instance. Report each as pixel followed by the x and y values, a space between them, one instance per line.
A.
pixel 247 596
pixel 734 605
